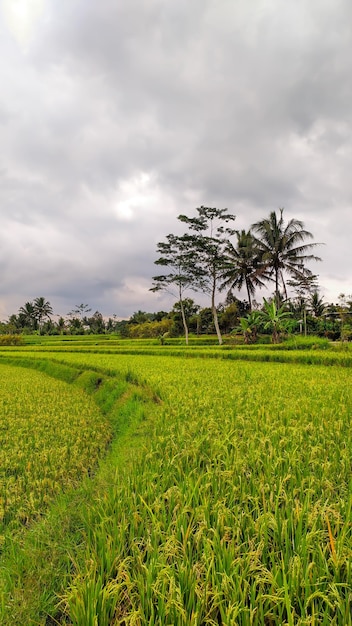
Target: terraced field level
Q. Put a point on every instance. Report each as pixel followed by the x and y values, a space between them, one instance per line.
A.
pixel 224 497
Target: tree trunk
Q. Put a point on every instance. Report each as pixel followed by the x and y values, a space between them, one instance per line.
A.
pixel 214 312
pixel 277 297
pixel 184 320
pixel 249 298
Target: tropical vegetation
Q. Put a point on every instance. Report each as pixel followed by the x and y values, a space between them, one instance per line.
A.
pixel 212 257
pixel 206 259
pixel 281 249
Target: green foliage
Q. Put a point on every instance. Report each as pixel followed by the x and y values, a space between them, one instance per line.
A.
pixel 11 340
pixel 81 310
pixel 36 562
pixel 150 329
pixel 243 265
pixel 208 238
pixel 276 319
pixel 95 323
pixel 226 490
pixel 316 304
pixel 228 318
pixel 282 250
pixel 249 327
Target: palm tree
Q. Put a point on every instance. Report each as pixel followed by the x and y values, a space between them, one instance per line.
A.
pixel 43 309
pixel 282 249
pixel 27 314
pixel 61 324
pixel 317 304
pixel 242 265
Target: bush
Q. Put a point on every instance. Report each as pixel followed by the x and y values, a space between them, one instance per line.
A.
pixel 11 340
pixel 150 330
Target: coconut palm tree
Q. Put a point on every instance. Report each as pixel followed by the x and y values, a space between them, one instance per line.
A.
pixel 317 304
pixel 43 310
pixel 282 250
pixel 242 265
pixel 27 315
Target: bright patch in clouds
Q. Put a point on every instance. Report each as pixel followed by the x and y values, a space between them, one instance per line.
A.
pixel 21 17
pixel 135 195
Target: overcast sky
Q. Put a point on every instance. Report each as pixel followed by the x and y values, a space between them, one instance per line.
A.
pixel 117 115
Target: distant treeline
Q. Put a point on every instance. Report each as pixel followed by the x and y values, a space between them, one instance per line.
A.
pixel 310 315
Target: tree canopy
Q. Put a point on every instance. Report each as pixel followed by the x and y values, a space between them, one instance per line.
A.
pixel 281 249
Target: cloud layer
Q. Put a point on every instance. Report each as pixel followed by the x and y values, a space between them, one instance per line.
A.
pixel 115 117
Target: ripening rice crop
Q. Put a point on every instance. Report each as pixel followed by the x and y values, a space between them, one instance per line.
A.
pixel 238 509
pixel 50 437
pixel 235 508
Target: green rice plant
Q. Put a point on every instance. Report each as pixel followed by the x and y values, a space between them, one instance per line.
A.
pixel 224 515
pixel 50 436
pixel 37 564
pixel 298 342
pixel 233 505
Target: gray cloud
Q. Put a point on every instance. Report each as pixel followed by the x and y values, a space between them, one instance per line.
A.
pixel 115 117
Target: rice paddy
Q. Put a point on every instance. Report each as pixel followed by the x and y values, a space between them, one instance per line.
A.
pixel 50 437
pixel 229 501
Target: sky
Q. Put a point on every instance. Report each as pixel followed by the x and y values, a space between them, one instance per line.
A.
pixel 116 116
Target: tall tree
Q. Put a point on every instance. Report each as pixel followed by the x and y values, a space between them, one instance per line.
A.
pixel 81 310
pixel 139 317
pixel 96 323
pixel 304 287
pixel 317 305
pixel 177 257
pixel 27 315
pixel 43 310
pixel 282 249
pixel 190 310
pixel 243 265
pixel 207 242
pixel 61 324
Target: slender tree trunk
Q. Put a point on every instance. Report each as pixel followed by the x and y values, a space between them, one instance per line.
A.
pixel 214 311
pixel 284 285
pixel 249 298
pixel 184 319
pixel 277 298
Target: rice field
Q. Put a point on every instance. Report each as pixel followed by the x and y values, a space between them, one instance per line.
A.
pixel 50 437
pixel 229 503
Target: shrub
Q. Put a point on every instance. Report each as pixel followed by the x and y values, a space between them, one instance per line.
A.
pixel 149 330
pixel 11 340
